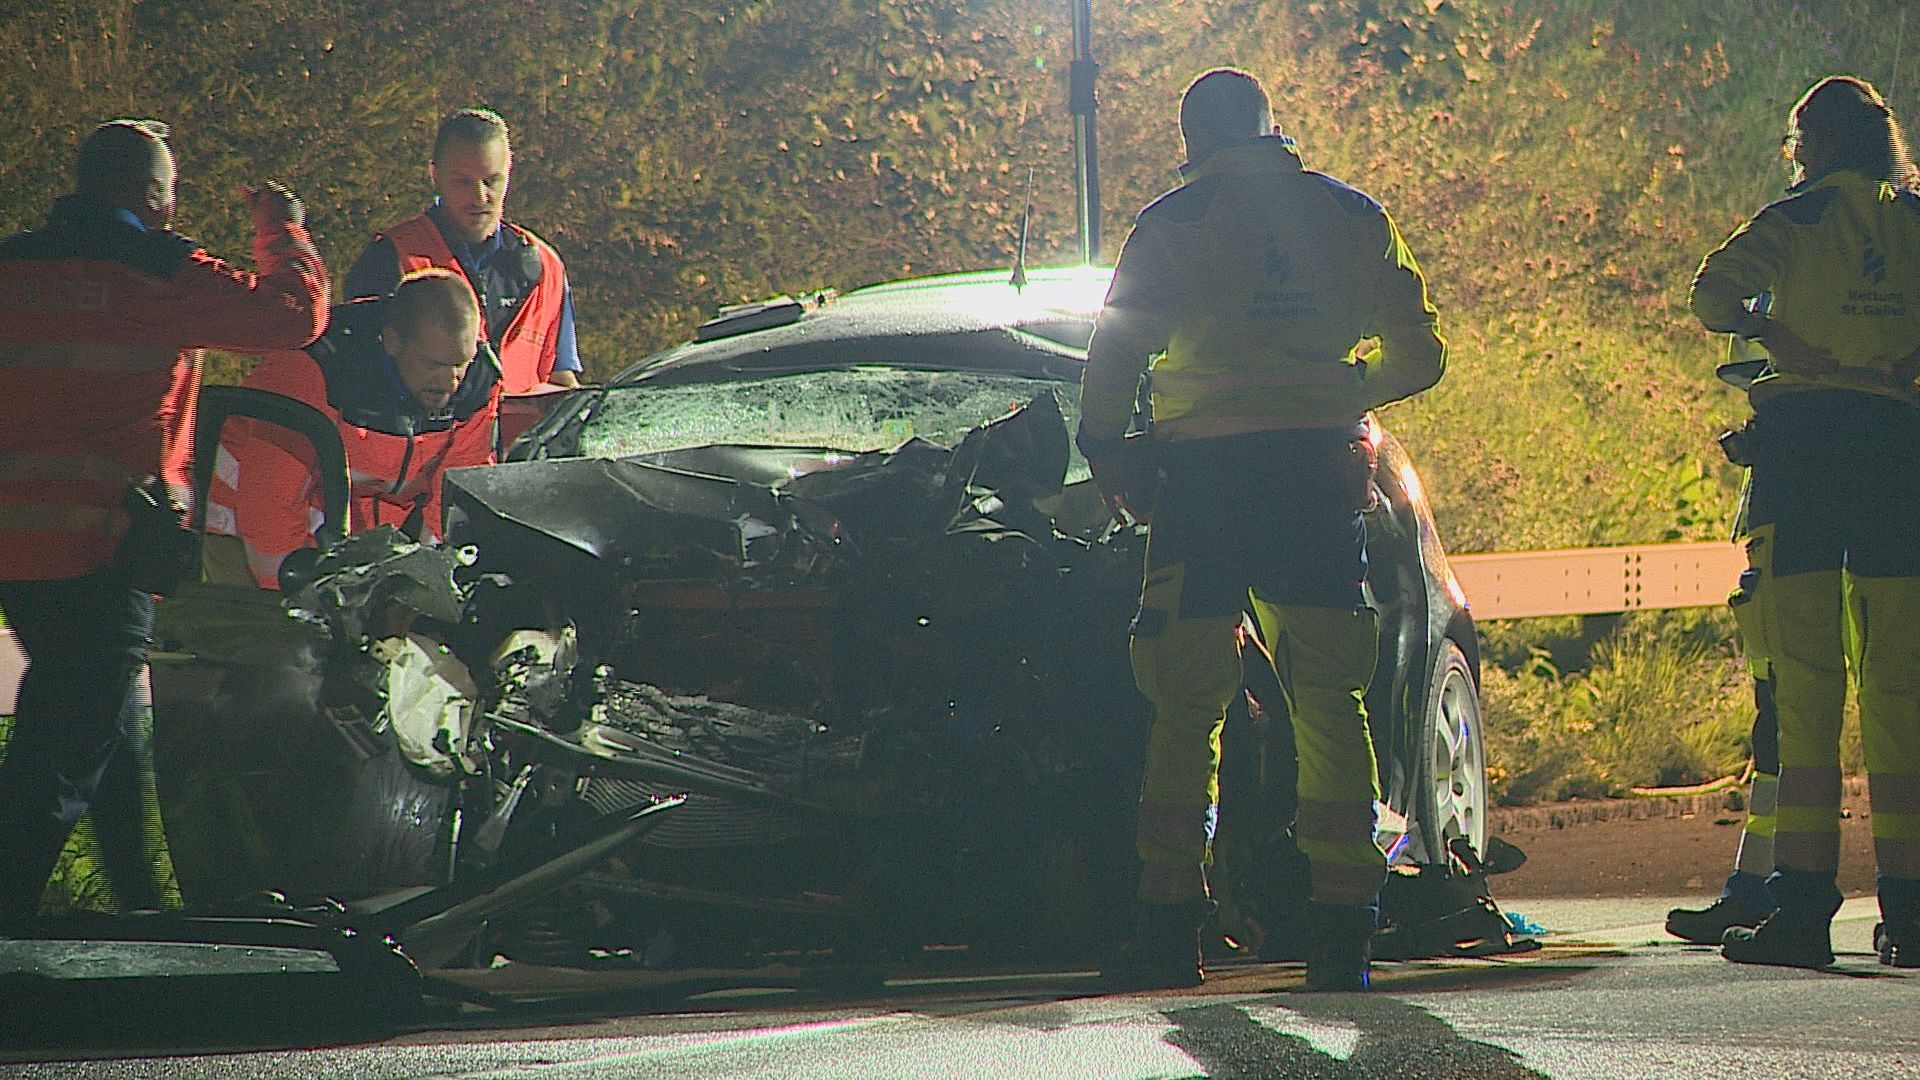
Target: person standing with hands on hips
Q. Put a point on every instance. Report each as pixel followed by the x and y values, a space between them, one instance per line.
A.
pixel 1834 514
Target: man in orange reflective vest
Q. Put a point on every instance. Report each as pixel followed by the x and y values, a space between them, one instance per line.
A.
pixel 103 313
pixel 521 283
pixel 412 397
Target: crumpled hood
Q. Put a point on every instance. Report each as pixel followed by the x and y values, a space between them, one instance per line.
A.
pixel 756 516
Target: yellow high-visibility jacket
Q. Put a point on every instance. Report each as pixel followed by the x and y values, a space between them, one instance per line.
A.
pixel 1257 279
pixel 1841 256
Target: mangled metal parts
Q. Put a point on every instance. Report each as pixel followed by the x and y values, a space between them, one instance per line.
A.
pixel 431 703
pixel 372 577
pixel 370 592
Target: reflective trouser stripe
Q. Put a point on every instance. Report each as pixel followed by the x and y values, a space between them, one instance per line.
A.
pixel 1174 832
pixel 1806 834
pixel 1756 840
pixel 1809 688
pixel 1896 857
pixel 1886 614
pixel 1896 823
pixel 1896 843
pixel 1189 669
pixel 1324 658
pixel 1334 822
pixel 1344 864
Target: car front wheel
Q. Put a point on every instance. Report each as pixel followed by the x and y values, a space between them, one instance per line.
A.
pixel 1451 798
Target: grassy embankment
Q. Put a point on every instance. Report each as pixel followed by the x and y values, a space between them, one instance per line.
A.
pixel 1560 166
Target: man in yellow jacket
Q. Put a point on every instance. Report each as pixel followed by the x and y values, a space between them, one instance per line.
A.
pixel 1254 283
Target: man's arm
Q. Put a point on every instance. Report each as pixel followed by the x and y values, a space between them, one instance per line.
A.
pixel 1749 263
pixel 1133 328
pixel 198 301
pixel 472 444
pixel 283 306
pixel 566 353
pixel 1411 356
pixel 264 483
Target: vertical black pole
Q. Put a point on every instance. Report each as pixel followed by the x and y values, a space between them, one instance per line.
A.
pixel 1086 146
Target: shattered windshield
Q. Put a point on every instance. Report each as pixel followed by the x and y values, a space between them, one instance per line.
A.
pixel 854 409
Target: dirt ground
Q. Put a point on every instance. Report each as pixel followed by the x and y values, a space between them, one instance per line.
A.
pixel 1650 846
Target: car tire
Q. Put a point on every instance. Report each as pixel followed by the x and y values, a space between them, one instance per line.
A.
pixel 399 828
pixel 1450 793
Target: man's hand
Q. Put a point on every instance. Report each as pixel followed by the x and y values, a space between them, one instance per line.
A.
pixel 1793 355
pixel 273 205
pixel 1110 477
pixel 1906 370
pixel 1126 477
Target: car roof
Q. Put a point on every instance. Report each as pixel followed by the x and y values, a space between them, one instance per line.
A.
pixel 976 321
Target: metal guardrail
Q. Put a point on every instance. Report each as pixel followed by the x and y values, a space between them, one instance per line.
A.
pixel 1595 581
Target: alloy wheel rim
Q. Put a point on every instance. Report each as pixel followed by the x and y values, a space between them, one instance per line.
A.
pixel 1458 763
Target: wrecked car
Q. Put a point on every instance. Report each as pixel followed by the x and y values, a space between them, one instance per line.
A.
pixel 859 522
pixel 832 580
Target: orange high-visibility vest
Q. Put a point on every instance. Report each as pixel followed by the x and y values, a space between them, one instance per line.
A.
pixel 528 346
pixel 265 488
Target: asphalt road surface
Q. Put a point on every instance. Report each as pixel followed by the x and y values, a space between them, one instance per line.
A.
pixel 1607 995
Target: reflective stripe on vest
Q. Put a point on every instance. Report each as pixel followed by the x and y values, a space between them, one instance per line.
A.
pixel 1193 385
pixel 1190 404
pixel 532 337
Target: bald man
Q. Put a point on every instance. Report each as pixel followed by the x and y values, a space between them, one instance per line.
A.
pixel 104 312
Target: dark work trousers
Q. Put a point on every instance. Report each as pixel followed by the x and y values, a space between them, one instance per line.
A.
pixel 75 733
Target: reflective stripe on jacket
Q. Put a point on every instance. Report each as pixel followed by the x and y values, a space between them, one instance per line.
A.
pixel 528 345
pixel 101 326
pixel 1257 279
pixel 1841 258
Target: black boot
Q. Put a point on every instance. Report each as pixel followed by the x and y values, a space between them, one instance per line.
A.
pixel 1339 944
pixel 1897 937
pixel 1796 935
pixel 1709 925
pixel 1164 953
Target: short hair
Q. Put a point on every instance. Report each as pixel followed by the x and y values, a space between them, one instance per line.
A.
pixel 118 159
pixel 433 295
pixel 1855 127
pixel 1225 105
pixel 471 125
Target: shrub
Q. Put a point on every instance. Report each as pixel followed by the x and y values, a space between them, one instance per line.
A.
pixel 1663 701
